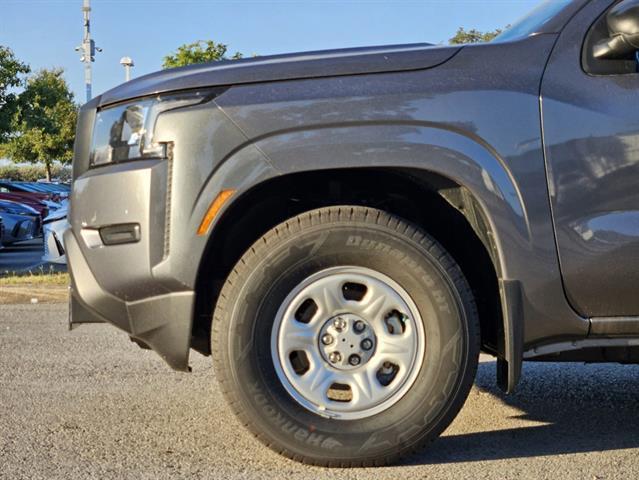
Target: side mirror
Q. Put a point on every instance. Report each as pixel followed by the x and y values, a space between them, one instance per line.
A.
pixel 623 32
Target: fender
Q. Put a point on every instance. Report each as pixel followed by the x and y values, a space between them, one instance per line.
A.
pixel 443 151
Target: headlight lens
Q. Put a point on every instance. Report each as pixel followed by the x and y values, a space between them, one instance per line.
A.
pixel 125 132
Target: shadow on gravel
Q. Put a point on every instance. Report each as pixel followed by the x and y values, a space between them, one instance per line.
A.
pixel 582 408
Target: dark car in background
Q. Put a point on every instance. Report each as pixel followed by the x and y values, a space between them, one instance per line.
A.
pixel 20 222
pixel 37 201
pixel 344 231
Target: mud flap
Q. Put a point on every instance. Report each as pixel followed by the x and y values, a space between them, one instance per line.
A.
pixel 509 365
pixel 79 315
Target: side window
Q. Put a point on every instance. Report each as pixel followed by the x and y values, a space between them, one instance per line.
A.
pixel 612 43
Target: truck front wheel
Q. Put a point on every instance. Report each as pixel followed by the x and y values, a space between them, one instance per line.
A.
pixel 346 336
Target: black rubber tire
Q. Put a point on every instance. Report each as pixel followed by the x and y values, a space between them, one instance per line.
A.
pixel 279 261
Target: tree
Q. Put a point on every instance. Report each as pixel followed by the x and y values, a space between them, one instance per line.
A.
pixel 11 72
pixel 473 36
pixel 198 52
pixel 43 124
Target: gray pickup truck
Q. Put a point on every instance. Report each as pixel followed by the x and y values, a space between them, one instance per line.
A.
pixel 344 231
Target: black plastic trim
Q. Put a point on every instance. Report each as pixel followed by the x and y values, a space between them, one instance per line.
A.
pixel 509 366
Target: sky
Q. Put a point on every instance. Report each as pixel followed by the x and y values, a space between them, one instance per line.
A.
pixel 44 33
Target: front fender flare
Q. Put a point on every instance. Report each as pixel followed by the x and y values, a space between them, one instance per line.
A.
pixel 460 157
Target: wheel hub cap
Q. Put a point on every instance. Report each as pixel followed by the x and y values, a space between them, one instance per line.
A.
pixel 347 343
pixel 352 342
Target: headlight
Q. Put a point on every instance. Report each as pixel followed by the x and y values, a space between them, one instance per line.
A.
pixel 125 132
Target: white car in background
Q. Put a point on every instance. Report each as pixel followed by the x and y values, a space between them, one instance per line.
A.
pixel 53 227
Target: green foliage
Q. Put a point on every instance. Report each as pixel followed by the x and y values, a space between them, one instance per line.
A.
pixel 11 73
pixel 43 124
pixel 33 173
pixel 198 52
pixel 473 36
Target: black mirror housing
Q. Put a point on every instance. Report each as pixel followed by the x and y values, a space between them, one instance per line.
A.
pixel 623 28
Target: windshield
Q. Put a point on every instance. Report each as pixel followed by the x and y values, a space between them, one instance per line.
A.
pixel 533 21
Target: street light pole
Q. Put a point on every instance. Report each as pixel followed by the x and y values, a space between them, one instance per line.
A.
pixel 87 48
pixel 127 63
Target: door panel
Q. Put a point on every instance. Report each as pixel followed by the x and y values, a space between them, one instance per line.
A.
pixel 591 135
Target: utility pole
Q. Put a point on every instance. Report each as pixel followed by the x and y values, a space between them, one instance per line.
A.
pixel 127 63
pixel 87 48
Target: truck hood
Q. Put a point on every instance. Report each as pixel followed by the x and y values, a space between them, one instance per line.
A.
pixel 325 63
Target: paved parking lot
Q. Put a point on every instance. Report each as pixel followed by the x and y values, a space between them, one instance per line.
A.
pixel 21 255
pixel 90 404
pixel 24 256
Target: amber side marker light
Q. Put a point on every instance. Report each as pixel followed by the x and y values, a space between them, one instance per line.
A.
pixel 213 210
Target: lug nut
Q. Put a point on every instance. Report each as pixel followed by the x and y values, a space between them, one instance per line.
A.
pixel 354 359
pixel 387 368
pixel 366 344
pixel 335 357
pixel 359 326
pixel 327 339
pixel 339 323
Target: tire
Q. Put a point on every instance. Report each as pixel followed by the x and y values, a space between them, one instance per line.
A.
pixel 382 251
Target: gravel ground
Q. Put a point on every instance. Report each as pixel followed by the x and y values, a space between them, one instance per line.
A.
pixel 90 404
pixel 29 293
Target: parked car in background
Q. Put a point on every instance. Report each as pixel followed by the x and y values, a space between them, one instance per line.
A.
pixel 33 200
pixel 54 192
pixel 1 233
pixel 61 189
pixel 53 228
pixel 21 222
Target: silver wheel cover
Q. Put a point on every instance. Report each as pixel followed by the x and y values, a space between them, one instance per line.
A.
pixel 355 349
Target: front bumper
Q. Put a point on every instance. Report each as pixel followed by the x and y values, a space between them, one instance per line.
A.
pixel 131 285
pixel 53 233
pixel 146 284
pixel 162 322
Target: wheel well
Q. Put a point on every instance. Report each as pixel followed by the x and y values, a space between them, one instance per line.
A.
pixel 444 209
